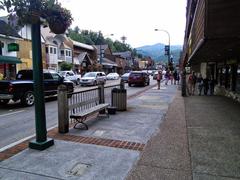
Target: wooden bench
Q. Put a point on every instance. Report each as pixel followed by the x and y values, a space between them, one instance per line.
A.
pixel 82 116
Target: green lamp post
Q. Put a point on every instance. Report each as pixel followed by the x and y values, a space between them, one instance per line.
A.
pixel 58 19
pixel 41 142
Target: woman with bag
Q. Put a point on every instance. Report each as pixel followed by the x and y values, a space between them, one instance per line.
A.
pixel 159 78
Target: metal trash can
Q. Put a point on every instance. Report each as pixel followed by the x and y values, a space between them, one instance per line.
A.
pixel 119 99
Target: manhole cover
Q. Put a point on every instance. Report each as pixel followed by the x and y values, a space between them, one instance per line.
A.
pixel 79 169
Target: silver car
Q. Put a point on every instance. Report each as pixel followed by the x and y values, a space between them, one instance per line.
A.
pixel 93 78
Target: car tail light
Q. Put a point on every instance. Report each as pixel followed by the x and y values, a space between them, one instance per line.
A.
pixel 10 88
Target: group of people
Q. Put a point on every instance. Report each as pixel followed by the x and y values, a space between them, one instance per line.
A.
pixel 203 84
pixel 169 75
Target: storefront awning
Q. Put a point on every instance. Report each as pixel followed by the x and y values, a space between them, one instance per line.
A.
pixel 9 60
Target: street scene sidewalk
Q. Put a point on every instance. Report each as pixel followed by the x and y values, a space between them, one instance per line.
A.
pixel 161 136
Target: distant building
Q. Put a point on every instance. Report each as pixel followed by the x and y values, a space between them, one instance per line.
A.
pixel 8 50
pixel 129 59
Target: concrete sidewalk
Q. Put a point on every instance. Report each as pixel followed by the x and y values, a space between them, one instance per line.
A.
pixel 199 139
pixel 161 136
pixel 108 150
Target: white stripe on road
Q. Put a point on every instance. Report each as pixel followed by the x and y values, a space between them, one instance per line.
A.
pixel 22 140
pixel 2 115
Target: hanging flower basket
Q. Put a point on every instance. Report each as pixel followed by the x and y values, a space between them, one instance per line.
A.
pixel 57 27
pixel 29 11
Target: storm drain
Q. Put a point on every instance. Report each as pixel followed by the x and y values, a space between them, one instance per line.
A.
pixel 79 169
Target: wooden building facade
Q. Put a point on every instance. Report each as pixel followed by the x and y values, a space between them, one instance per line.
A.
pixel 212 41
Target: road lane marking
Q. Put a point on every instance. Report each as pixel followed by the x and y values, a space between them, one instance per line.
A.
pixel 22 140
pixel 15 112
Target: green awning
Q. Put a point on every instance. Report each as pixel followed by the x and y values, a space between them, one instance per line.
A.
pixel 9 60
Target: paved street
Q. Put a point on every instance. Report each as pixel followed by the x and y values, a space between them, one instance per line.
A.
pixel 161 136
pixel 17 122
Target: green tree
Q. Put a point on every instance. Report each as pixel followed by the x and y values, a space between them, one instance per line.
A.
pixel 64 66
pixel 97 38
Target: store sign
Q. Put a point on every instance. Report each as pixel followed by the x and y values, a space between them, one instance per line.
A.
pixel 13 47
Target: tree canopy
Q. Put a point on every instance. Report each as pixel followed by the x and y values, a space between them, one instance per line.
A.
pixel 97 38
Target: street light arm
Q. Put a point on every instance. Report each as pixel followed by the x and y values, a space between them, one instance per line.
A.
pixel 167 34
pixel 168 41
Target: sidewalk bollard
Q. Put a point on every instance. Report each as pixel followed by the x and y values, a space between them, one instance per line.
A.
pixel 122 85
pixel 101 96
pixel 63 116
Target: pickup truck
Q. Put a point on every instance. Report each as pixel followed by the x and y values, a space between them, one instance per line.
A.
pixel 71 76
pixel 22 88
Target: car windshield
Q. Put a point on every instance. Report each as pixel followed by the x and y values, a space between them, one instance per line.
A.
pixel 136 75
pixel 62 73
pixel 112 74
pixel 126 74
pixel 91 74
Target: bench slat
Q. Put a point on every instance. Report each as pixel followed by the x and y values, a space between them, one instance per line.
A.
pixel 93 100
pixel 91 110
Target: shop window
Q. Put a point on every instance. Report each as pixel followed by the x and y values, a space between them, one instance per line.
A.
pixel 62 52
pixel 51 50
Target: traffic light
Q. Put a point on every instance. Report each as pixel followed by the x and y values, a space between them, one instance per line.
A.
pixel 167 50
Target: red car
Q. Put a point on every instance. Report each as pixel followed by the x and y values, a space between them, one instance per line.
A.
pixel 138 78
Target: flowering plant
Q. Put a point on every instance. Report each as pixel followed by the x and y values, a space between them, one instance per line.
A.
pixel 28 11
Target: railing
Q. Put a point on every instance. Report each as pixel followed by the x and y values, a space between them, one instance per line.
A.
pixel 82 100
pixel 78 101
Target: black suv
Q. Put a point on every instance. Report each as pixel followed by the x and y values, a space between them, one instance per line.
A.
pixel 138 78
pixel 22 88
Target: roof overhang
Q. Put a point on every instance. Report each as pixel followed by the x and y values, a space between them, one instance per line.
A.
pixel 215 50
pixel 9 60
pixel 10 37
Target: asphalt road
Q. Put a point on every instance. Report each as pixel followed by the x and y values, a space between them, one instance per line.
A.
pixel 18 123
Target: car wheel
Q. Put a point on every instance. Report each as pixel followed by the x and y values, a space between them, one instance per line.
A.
pixel 4 101
pixel 129 84
pixel 28 98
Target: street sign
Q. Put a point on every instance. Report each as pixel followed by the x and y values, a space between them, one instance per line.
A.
pixel 13 47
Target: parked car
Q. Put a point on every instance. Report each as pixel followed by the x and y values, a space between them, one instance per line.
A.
pixel 22 88
pixel 112 76
pixel 138 78
pixel 93 78
pixel 124 77
pixel 71 76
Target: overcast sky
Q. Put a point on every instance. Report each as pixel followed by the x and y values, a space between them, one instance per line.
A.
pixel 135 19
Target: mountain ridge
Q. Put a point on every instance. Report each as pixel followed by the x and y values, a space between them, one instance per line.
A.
pixel 156 52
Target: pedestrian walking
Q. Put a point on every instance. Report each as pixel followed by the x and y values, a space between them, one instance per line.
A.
pixel 211 83
pixel 167 76
pixel 192 79
pixel 200 84
pixel 205 85
pixel 176 77
pixel 171 77
pixel 159 78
